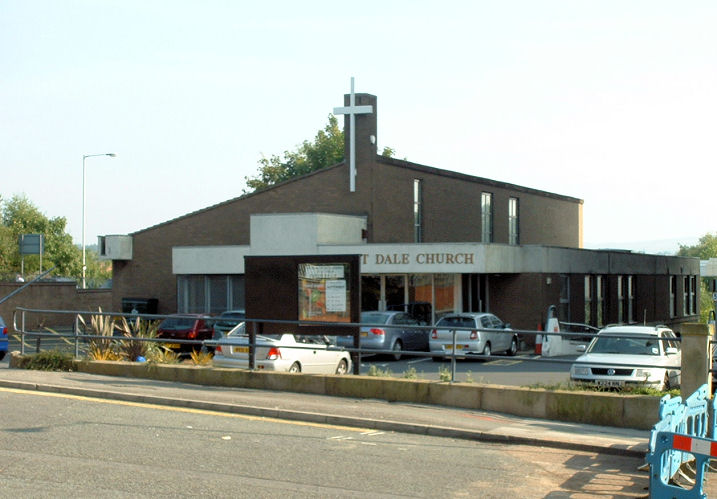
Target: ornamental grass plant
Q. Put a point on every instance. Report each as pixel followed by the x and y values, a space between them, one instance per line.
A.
pixel 103 346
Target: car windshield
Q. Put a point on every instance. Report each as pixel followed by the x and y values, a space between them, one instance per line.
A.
pixel 230 319
pixel 635 345
pixel 238 331
pixel 177 323
pixel 456 322
pixel 374 318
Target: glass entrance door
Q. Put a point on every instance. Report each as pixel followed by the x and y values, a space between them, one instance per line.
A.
pixel 395 290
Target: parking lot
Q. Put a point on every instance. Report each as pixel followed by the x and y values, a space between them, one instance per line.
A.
pixel 520 370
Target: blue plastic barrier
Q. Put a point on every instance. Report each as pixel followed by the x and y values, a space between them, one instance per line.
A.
pixel 702 449
pixel 688 419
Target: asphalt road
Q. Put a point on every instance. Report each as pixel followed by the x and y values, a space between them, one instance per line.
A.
pixel 56 445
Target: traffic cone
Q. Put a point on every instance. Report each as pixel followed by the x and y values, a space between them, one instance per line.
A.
pixel 539 341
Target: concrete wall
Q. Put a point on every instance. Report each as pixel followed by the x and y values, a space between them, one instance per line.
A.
pixel 625 411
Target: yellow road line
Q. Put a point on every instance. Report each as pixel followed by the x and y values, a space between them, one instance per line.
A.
pixel 179 409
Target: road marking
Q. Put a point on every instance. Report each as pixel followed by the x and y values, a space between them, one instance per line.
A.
pixel 181 409
pixel 501 362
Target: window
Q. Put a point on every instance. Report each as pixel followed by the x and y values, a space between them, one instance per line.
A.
pixel 486 217
pixel 564 310
pixel 588 299
pixel 630 294
pixel 620 300
pixel 513 221
pixel 625 299
pixel 673 296
pixel 417 210
pixel 601 303
pixel 209 293
pixel 689 304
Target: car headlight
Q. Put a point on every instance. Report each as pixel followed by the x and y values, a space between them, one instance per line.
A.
pixel 581 371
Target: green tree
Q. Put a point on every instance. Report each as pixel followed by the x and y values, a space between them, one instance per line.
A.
pixel 705 249
pixel 19 216
pixel 327 149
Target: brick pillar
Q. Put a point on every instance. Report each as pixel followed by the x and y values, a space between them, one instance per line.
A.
pixel 696 358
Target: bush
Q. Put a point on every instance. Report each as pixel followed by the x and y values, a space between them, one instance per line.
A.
pixel 590 387
pixel 103 348
pixel 132 349
pixel 49 360
pixel 201 357
pixel 377 371
pixel 163 355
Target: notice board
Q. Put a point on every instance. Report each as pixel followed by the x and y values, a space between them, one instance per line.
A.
pixel 312 289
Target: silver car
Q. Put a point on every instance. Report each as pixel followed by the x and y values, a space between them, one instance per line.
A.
pixel 475 333
pixel 395 331
pixel 281 352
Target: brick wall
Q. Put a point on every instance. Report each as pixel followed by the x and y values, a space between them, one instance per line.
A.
pixel 52 296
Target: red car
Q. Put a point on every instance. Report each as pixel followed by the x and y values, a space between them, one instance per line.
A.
pixel 185 327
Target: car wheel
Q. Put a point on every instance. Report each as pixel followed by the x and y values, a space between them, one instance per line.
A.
pixel 437 358
pixel 343 367
pixel 2 355
pixel 295 368
pixel 486 350
pixel 513 347
pixel 397 348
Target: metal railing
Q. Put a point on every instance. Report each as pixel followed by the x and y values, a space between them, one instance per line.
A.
pixel 78 336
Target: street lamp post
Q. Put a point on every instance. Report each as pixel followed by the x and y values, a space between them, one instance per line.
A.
pixel 84 259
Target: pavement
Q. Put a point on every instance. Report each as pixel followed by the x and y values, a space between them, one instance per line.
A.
pixel 362 413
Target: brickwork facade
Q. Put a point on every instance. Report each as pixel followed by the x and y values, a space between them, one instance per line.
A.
pixel 451 213
pixel 52 296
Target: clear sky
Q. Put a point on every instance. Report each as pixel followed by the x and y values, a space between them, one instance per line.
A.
pixel 612 102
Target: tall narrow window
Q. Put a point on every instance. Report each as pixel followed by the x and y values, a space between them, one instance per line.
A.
pixel 693 295
pixel 673 296
pixel 588 299
pixel 620 300
pixel 686 295
pixel 486 217
pixel 417 210
pixel 601 303
pixel 564 310
pixel 630 293
pixel 513 221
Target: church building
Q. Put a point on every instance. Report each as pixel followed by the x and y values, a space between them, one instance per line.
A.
pixel 429 239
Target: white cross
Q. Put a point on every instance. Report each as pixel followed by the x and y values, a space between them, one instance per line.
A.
pixel 352 110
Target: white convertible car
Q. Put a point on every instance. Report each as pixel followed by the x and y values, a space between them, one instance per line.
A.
pixel 281 352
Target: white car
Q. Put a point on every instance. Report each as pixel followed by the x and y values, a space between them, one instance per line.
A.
pixel 281 352
pixel 631 355
pixel 480 333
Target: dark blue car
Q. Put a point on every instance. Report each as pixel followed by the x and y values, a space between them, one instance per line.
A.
pixel 3 339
